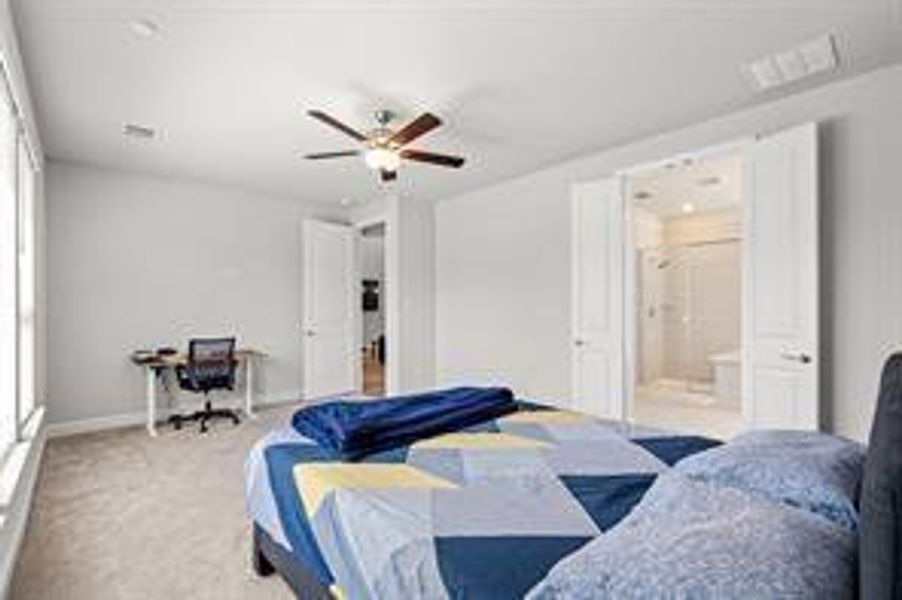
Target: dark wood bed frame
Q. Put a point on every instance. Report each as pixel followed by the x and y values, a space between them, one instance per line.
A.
pixel 880 563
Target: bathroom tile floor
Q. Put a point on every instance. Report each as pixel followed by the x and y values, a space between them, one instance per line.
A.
pixel 686 412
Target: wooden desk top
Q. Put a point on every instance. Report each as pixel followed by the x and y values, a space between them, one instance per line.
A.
pixel 181 358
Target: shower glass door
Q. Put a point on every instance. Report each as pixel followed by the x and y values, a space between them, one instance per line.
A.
pixel 699 306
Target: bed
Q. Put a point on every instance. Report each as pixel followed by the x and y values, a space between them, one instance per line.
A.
pixel 542 502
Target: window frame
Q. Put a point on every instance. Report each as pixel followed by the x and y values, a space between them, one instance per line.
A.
pixel 26 260
pixel 24 256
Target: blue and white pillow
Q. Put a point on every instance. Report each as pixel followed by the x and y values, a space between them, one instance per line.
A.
pixel 810 470
pixel 691 539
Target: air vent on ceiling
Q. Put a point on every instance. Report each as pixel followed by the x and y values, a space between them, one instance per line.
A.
pixel 139 131
pixel 709 181
pixel 800 62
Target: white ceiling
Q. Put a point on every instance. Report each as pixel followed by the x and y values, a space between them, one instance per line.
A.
pixel 521 84
pixel 706 184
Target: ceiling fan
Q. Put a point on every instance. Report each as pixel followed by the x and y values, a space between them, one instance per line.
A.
pixel 385 147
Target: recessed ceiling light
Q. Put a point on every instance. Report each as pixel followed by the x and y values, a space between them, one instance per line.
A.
pixel 144 27
pixel 139 131
pixel 688 208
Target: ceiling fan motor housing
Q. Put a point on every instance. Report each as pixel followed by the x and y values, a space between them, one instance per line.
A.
pixel 380 136
pixel 384 116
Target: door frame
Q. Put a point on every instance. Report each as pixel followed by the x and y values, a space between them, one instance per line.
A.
pixel 741 147
pixel 391 316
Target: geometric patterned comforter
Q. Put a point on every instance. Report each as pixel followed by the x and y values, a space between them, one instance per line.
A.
pixel 484 512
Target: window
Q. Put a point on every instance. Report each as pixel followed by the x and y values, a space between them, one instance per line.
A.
pixel 18 184
pixel 26 239
pixel 8 272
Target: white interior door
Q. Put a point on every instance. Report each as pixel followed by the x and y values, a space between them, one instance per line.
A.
pixel 598 292
pixel 780 388
pixel 330 315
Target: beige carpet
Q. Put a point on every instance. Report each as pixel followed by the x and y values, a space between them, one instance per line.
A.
pixel 122 515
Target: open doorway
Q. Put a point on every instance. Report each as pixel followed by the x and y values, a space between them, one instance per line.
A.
pixel 686 260
pixel 629 270
pixel 372 274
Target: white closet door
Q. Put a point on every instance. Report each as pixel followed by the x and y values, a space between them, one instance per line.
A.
pixel 330 310
pixel 781 350
pixel 597 281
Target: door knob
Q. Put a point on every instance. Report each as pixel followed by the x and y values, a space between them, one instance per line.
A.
pixel 579 343
pixel 309 332
pixel 796 356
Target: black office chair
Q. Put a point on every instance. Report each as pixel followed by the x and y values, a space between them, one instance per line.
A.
pixel 211 366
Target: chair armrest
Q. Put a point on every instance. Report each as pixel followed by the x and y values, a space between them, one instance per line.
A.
pixel 186 377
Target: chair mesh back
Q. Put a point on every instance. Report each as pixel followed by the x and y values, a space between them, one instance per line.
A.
pixel 211 363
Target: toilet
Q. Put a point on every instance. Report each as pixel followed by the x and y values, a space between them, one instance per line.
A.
pixel 727 390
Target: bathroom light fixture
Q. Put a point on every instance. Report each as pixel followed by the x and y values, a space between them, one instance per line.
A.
pixel 688 208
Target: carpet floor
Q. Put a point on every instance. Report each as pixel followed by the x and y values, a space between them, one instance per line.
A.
pixel 119 514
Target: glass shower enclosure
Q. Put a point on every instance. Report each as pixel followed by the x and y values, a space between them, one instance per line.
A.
pixel 689 311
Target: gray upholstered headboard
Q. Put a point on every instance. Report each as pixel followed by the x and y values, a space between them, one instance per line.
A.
pixel 881 496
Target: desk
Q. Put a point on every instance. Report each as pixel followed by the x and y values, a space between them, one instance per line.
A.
pixel 159 364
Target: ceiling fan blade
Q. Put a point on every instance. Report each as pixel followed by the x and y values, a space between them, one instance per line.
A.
pixel 333 122
pixel 337 154
pixel 442 160
pixel 388 175
pixel 416 128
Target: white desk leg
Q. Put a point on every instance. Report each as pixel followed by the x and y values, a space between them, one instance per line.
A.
pixel 249 387
pixel 151 400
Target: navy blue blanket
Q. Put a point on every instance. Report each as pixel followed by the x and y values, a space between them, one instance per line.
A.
pixel 353 430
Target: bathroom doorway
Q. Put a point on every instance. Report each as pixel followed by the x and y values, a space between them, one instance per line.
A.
pixel 685 220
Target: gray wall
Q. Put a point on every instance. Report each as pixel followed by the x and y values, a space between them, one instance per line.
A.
pixel 410 294
pixel 136 261
pixel 502 254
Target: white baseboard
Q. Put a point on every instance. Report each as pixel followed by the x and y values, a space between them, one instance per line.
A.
pixel 66 428
pixel 134 419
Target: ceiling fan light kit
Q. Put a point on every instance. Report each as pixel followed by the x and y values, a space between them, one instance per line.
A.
pixel 379 159
pixel 384 148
